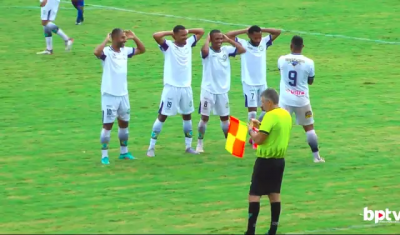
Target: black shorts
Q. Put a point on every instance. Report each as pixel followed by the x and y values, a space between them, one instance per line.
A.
pixel 267 176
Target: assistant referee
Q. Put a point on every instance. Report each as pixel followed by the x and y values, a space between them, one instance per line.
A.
pixel 272 140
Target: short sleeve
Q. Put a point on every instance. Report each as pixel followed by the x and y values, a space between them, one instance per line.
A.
pixel 164 47
pixel 103 55
pixel 130 51
pixel 267 123
pixel 230 50
pixel 241 41
pixel 311 73
pixel 192 40
pixel 267 40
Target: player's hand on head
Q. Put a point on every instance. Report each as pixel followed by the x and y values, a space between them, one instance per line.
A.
pixel 129 34
pixel 226 38
pixel 108 37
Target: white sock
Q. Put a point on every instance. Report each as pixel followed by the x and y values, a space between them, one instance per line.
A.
pixel 62 35
pixel 104 153
pixel 188 142
pixel 312 140
pixel 124 149
pixel 200 141
pixel 49 43
pixel 252 115
pixel 152 143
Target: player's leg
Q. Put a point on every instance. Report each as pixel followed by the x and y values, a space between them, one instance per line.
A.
pixel 168 107
pixel 222 109
pixel 79 5
pixel 304 117
pixel 45 14
pixel 205 107
pixel 260 91
pixel 186 109
pixel 275 179
pixel 109 108
pixel 251 102
pixel 124 116
pixel 55 29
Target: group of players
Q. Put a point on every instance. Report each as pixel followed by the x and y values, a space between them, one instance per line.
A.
pixel 297 72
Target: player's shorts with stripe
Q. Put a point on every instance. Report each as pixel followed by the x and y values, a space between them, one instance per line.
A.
pixel 115 106
pixel 176 100
pixel 218 103
pixel 49 12
pixel 304 115
pixel 252 95
pixel 267 176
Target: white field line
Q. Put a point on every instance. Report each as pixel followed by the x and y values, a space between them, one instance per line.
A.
pixel 243 25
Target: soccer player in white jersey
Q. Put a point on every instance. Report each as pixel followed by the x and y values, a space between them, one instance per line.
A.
pixel 297 72
pixel 114 88
pixel 254 64
pixel 49 9
pixel 177 94
pixel 216 81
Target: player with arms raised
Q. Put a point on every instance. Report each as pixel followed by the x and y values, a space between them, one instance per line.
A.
pixel 254 64
pixel 216 81
pixel 49 9
pixel 114 88
pixel 177 94
pixel 297 72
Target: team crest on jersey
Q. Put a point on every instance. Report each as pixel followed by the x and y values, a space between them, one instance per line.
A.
pixel 309 114
pixel 224 57
pixel 260 48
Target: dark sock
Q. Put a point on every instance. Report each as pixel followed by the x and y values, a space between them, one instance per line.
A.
pixel 254 209
pixel 275 212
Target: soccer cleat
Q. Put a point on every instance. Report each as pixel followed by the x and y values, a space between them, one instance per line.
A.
pixel 78 23
pixel 68 44
pixel 319 160
pixel 191 151
pixel 105 161
pixel 126 156
pixel 45 52
pixel 199 148
pixel 151 153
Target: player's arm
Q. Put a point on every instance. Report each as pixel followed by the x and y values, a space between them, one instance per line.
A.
pixel 98 52
pixel 239 48
pixel 311 74
pixel 274 32
pixel 43 3
pixel 198 32
pixel 159 36
pixel 140 46
pixel 206 48
pixel 232 34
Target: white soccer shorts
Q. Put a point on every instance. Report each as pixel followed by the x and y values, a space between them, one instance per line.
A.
pixel 218 103
pixel 176 100
pixel 49 12
pixel 252 95
pixel 115 106
pixel 304 115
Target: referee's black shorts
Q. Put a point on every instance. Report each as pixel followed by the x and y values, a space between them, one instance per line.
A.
pixel 267 176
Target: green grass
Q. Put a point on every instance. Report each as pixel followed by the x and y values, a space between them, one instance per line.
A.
pixel 51 179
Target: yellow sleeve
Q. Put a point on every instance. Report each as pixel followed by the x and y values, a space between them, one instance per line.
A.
pixel 267 123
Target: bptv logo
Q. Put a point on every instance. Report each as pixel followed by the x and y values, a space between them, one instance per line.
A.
pixel 380 215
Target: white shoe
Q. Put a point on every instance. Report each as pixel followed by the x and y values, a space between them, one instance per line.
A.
pixel 68 44
pixel 151 153
pixel 319 160
pixel 199 148
pixel 45 52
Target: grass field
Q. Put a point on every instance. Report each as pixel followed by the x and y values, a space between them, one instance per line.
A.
pixel 51 179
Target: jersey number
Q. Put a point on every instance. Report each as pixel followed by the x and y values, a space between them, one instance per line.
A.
pixel 293 78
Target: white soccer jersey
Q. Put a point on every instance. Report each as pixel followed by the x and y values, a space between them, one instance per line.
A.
pixel 295 71
pixel 178 62
pixel 115 70
pixel 217 70
pixel 254 61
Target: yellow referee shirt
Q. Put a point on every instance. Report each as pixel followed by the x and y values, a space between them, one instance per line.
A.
pixel 277 123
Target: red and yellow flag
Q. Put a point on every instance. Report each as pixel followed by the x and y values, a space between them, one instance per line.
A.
pixel 236 139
